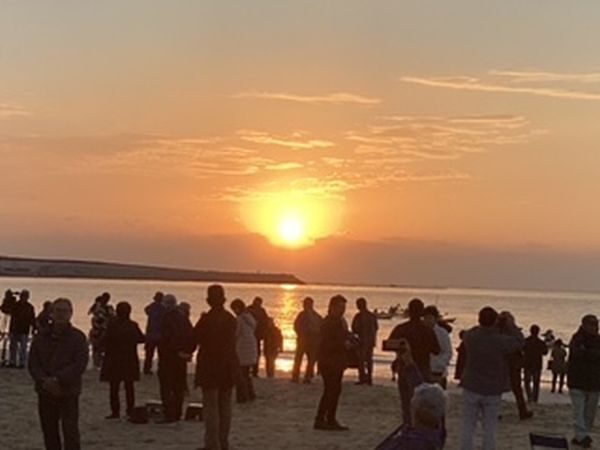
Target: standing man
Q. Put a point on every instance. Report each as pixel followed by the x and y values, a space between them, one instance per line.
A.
pixel 307 326
pixel 332 363
pixel 22 322
pixel 155 312
pixel 58 359
pixel 583 378
pixel 365 326
pixel 486 374
pixel 533 355
pixel 423 344
pixel 216 367
pixel 439 363
pixel 174 348
pixel 262 321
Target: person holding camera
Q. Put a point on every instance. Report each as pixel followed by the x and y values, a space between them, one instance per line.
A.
pixel 22 323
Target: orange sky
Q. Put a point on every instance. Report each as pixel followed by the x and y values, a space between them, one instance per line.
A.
pixel 462 124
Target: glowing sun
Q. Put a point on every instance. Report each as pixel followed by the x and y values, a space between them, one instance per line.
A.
pixel 292 230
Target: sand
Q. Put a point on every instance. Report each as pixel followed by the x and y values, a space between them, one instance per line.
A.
pixel 281 418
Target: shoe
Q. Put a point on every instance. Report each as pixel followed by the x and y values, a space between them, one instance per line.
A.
pixel 586 442
pixel 336 426
pixel 526 415
pixel 112 416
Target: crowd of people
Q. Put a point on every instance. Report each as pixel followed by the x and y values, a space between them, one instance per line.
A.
pixel 493 357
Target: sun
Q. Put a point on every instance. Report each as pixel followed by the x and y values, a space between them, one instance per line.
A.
pixel 292 230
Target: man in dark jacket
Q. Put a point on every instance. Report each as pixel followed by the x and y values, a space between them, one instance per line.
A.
pixel 174 349
pixel 365 326
pixel 332 363
pixel 154 311
pixel 423 343
pixel 307 326
pixel 262 321
pixel 217 366
pixel 22 323
pixel 583 378
pixel 533 355
pixel 57 361
pixel 486 374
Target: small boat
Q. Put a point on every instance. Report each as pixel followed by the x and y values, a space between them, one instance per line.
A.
pixel 382 315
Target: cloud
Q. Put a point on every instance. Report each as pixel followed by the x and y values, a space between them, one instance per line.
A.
pixel 336 98
pixel 541 76
pixel 476 84
pixel 296 141
pixel 10 110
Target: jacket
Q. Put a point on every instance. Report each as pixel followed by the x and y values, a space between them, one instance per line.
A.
pixel 22 318
pixel 245 344
pixel 365 326
pixel 583 371
pixel 439 363
pixel 486 366
pixel 332 347
pixel 533 353
pixel 63 355
pixel 121 361
pixel 307 326
pixel 422 340
pixel 155 312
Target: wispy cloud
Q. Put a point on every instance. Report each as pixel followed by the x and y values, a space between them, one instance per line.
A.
pixel 284 166
pixel 498 84
pixel 336 98
pixel 521 76
pixel 296 141
pixel 10 110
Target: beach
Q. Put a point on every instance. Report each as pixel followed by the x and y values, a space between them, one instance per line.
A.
pixel 281 417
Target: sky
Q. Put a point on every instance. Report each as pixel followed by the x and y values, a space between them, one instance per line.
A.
pixel 434 143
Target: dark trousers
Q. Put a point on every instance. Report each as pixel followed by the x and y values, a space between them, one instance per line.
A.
pixel 332 388
pixel 304 348
pixel 517 388
pixel 172 380
pixel 244 391
pixel 149 348
pixel 60 412
pixel 217 417
pixel 406 393
pixel 255 367
pixel 560 377
pixel 365 365
pixel 115 404
pixel 532 384
pixel 270 365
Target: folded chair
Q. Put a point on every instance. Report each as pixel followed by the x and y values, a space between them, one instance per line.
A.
pixel 547 442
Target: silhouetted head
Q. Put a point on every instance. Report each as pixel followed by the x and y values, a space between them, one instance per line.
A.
pixel 24 296
pixel 361 304
pixel 589 323
pixel 185 308
pixel 258 301
pixel 534 330
pixel 415 308
pixel 308 303
pixel 61 311
pixel 488 316
pixel 47 305
pixel 428 406
pixel 238 306
pixel 158 297
pixel 337 305
pixel 215 295
pixel 105 298
pixel 559 343
pixel 461 334
pixel 431 315
pixel 123 310
pixel 169 301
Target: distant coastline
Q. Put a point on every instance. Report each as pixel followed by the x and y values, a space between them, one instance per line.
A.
pixel 64 268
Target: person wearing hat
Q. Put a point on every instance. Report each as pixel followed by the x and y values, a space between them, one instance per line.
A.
pixel 423 343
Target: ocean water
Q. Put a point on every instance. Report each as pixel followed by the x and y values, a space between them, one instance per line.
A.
pixel 559 311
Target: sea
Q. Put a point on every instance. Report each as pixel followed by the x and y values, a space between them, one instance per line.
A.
pixel 560 312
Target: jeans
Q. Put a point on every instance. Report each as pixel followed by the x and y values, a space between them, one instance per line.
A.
pixel 217 418
pixel 585 405
pixel 115 404
pixel 245 388
pixel 149 348
pixel 63 412
pixel 365 365
pixel 532 384
pixel 304 348
pixel 172 382
pixel 332 389
pixel 18 346
pixel 475 406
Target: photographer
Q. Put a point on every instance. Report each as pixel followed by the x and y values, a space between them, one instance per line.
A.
pixel 22 322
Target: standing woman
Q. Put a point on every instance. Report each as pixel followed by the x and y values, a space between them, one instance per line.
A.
pixel 121 362
pixel 558 365
pixel 245 345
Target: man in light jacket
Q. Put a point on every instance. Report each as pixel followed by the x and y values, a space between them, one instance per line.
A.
pixel 246 350
pixel 439 363
pixel 486 374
